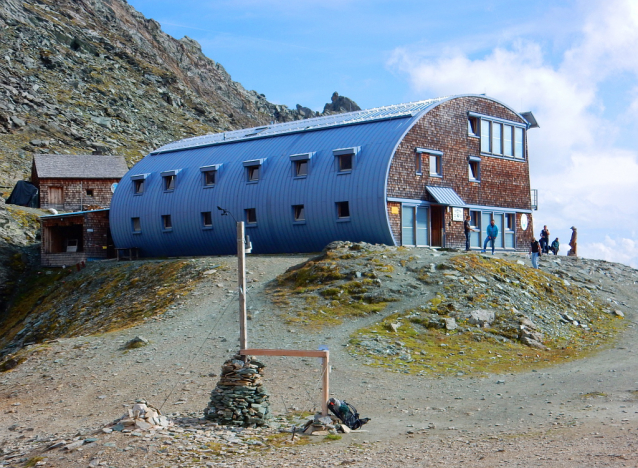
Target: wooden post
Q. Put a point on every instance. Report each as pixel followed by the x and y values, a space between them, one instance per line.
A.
pixel 325 394
pixel 241 277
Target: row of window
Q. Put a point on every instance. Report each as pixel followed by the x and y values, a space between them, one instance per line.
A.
pixel 344 164
pixel 498 138
pixel 250 217
pixel 506 223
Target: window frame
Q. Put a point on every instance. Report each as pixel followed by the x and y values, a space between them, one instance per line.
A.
pixel 139 182
pixel 167 223
pixel 136 225
pixel 90 192
pixel 169 180
pixel 438 157
pixel 252 168
pixel 205 215
pixel 250 217
pixel 210 169
pixel 473 126
pixel 343 154
pixel 476 161
pixel 341 216
pixel 296 210
pixel 516 147
pixel 297 160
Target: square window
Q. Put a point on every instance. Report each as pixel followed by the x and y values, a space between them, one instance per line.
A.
pixel 167 224
pixel 207 219
pixel 345 162
pixel 474 170
pixel 299 212
pixel 169 182
pixel 253 173
pixel 301 168
pixel 343 210
pixel 138 186
pixel 137 226
pixel 435 165
pixel 251 215
pixel 89 192
pixel 210 178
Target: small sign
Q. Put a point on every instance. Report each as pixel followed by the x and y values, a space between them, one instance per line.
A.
pixel 524 222
pixel 113 187
pixel 457 214
pixel 89 230
pixel 395 210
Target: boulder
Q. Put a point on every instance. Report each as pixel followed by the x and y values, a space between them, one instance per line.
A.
pixel 481 317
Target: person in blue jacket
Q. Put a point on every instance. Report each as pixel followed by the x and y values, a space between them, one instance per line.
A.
pixel 492 234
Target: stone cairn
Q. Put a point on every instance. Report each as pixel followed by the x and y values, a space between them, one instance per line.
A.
pixel 239 399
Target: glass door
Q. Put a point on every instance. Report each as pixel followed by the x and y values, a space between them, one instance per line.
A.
pixel 407 226
pixel 421 226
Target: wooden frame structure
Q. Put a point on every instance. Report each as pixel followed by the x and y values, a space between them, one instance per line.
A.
pixel 325 366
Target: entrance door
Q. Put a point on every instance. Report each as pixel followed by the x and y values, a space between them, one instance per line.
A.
pixel 56 196
pixel 438 226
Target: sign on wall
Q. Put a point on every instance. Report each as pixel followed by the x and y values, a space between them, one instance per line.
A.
pixel 524 222
pixel 457 214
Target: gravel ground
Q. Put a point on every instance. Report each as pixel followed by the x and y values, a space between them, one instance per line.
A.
pixel 580 413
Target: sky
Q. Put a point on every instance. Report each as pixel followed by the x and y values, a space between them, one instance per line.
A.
pixel 574 64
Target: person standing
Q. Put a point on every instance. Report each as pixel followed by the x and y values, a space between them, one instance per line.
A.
pixel 544 241
pixel 573 243
pixel 535 252
pixel 467 226
pixel 492 234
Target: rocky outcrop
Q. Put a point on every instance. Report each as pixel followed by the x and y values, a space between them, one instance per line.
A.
pixel 340 104
pixel 82 76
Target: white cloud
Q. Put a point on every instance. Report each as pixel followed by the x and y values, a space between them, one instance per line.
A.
pixel 582 176
pixel 620 251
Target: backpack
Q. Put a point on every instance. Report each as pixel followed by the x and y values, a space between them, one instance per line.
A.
pixel 346 413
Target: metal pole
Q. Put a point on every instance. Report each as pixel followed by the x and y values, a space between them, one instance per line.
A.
pixel 241 277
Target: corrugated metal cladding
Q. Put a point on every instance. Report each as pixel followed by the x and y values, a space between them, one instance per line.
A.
pixel 272 197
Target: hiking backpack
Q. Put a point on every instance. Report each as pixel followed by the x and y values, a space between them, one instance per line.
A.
pixel 346 413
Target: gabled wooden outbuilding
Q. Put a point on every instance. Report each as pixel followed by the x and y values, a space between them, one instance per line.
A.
pixel 76 182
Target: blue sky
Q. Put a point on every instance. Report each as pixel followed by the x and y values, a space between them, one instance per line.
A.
pixel 573 63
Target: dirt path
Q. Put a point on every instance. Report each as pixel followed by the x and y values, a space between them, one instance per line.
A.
pixel 581 413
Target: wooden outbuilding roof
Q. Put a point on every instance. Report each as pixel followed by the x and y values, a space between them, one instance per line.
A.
pixel 76 166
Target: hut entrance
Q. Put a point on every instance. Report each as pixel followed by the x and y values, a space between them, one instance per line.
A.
pixel 438 226
pixel 62 239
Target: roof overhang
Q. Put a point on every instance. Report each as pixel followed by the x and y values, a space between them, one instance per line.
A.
pixel 445 196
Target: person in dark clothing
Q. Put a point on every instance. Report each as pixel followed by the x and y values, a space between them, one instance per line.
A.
pixel 468 231
pixel 555 246
pixel 535 252
pixel 544 240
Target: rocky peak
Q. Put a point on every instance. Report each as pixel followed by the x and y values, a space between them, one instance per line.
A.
pixel 80 76
pixel 340 104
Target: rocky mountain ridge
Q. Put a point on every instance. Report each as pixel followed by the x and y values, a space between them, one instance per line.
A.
pixel 85 76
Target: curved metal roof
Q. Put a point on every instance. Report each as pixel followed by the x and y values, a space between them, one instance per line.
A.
pixel 372 134
pixel 409 109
